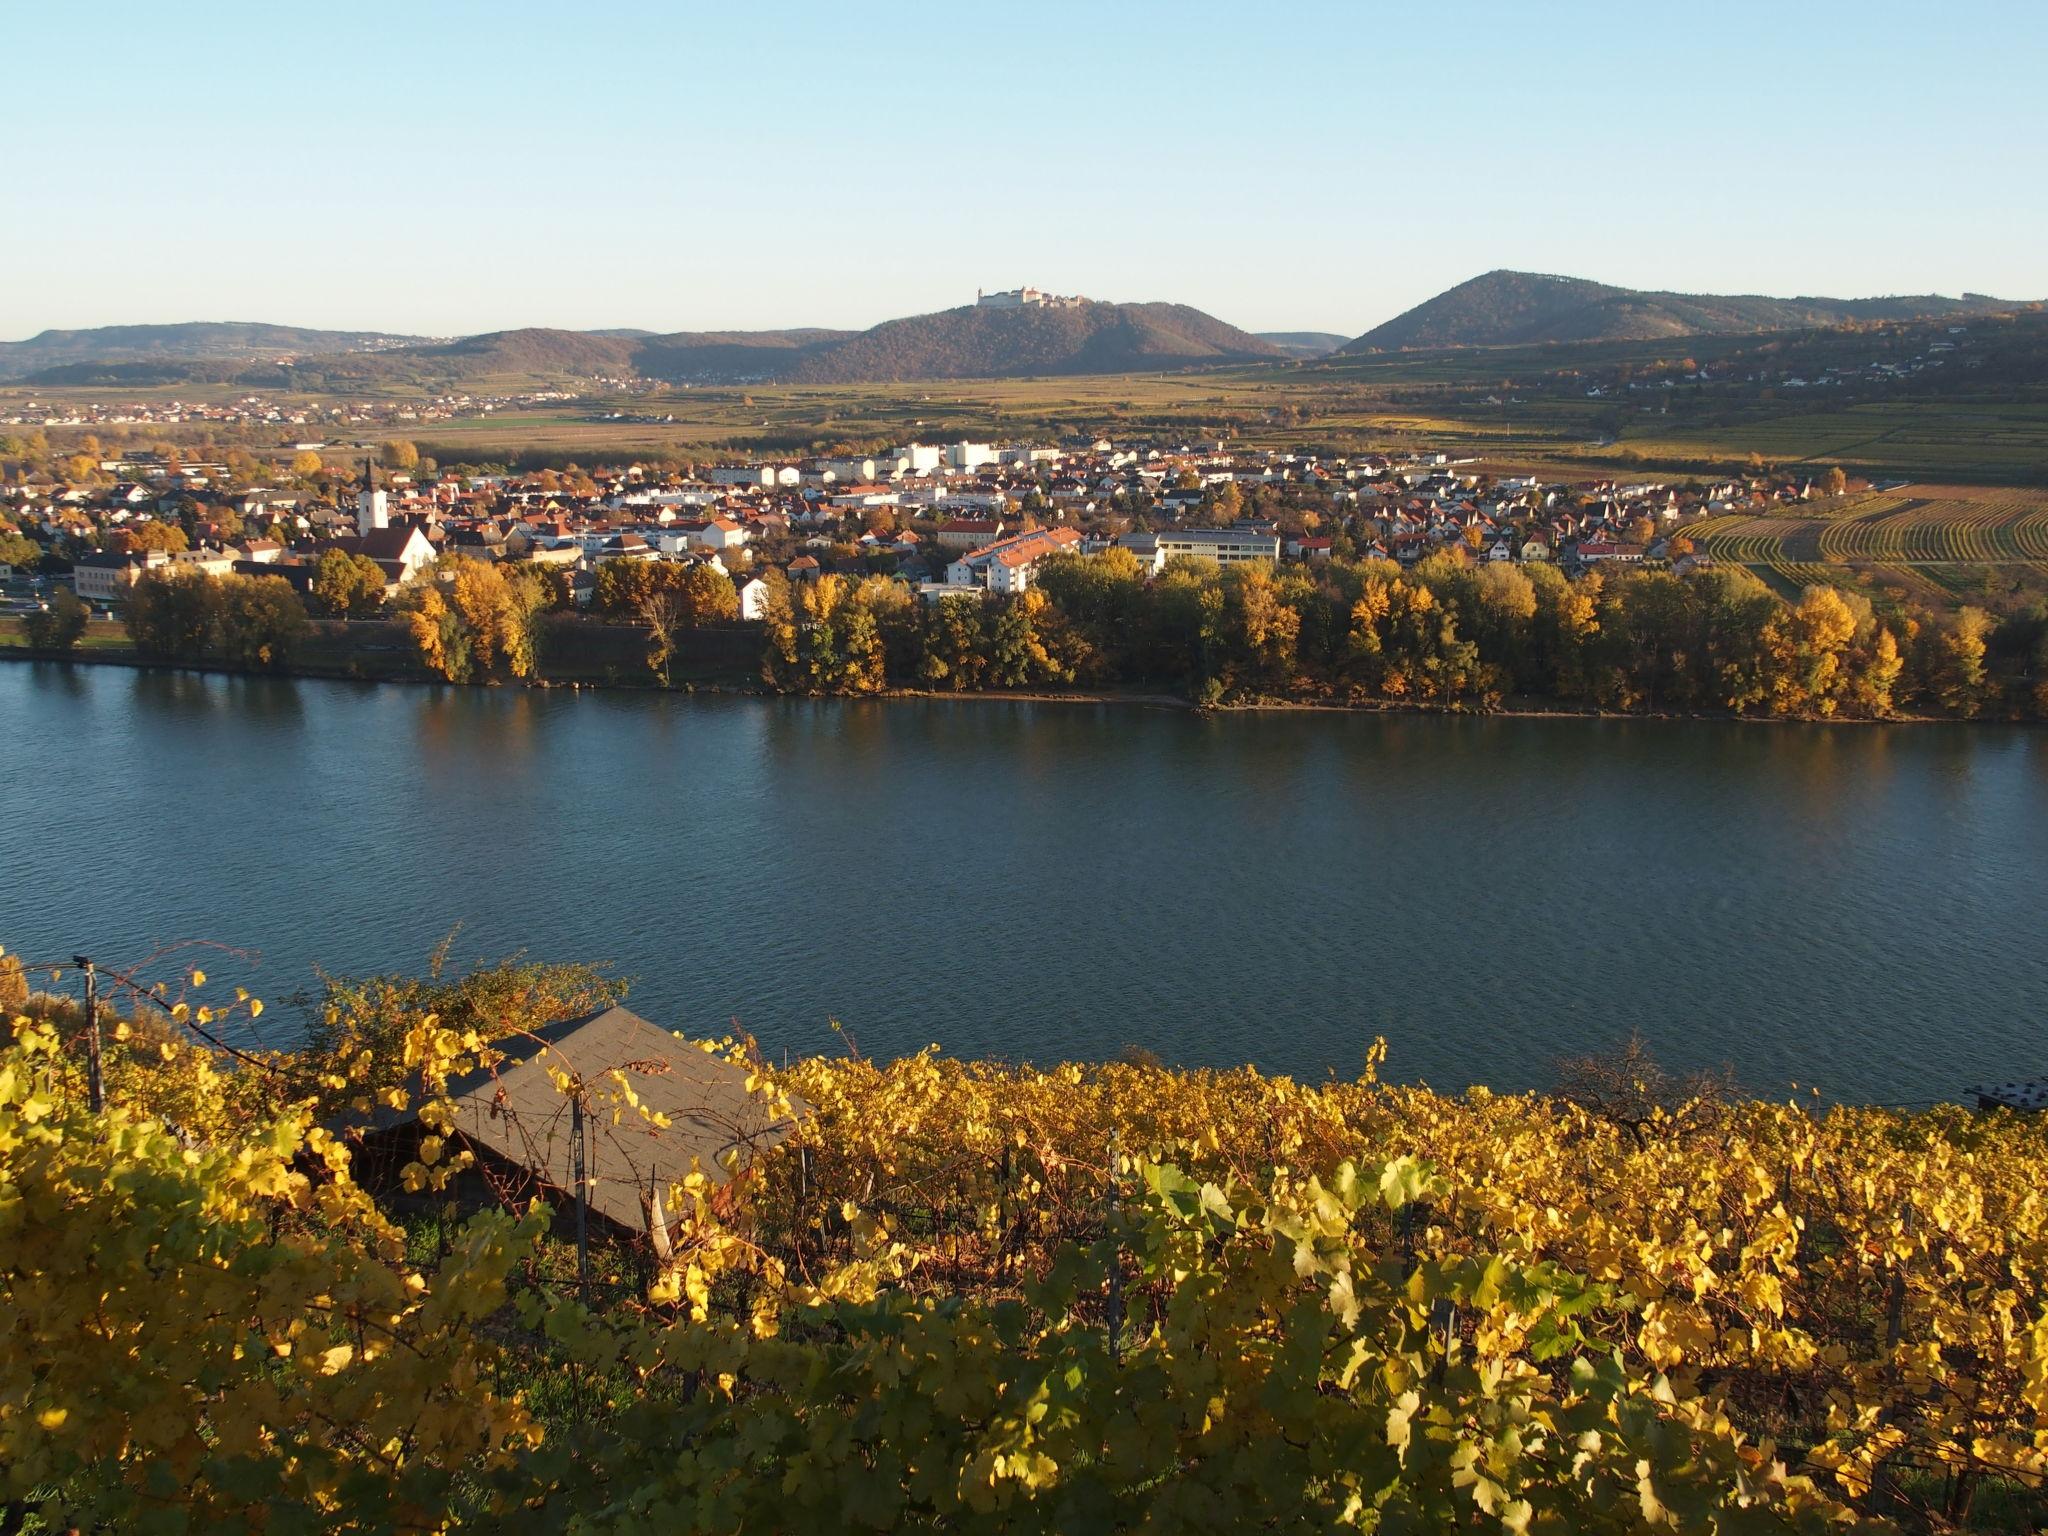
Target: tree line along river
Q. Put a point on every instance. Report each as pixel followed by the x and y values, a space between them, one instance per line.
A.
pixel 1864 908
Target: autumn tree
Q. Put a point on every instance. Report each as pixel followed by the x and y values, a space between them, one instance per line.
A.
pixel 347 585
pixel 399 455
pixel 151 534
pixel 172 615
pixel 262 623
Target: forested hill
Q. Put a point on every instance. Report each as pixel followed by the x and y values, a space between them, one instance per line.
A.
pixel 205 339
pixel 1519 308
pixel 974 342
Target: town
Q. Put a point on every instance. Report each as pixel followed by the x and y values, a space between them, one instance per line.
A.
pixel 1210 571
pixel 936 518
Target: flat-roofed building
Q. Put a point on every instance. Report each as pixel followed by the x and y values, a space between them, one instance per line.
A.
pixel 1226 546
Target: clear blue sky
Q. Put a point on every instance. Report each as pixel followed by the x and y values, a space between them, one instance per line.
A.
pixel 446 167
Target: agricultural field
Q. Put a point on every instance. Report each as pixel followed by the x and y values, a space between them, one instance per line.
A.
pixel 1936 544
pixel 1549 410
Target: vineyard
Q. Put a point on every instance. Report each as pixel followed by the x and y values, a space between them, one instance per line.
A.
pixel 977 1297
pixel 1938 544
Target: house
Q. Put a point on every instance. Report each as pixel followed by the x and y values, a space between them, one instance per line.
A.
pixel 688 1111
pixel 403 549
pixel 969 532
pixel 753 595
pixel 106 578
pixel 1006 565
pixel 718 533
pixel 625 546
pixel 202 562
pixel 1311 549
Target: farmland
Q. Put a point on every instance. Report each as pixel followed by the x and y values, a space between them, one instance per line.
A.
pixel 1933 543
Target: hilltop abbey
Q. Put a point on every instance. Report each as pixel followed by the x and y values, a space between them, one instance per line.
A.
pixel 1027 298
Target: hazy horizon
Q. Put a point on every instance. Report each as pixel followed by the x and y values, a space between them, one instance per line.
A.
pixel 476 168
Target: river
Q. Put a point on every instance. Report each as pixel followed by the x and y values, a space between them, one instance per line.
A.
pixel 1864 908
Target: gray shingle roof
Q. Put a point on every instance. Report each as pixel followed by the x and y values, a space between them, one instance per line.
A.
pixel 515 1109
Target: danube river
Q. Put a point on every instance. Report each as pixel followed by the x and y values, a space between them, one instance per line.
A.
pixel 1862 908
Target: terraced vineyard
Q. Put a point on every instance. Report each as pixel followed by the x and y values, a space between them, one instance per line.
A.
pixel 1936 543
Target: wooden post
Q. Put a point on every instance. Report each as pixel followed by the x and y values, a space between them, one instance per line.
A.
pixel 579 1171
pixel 1116 1267
pixel 95 1083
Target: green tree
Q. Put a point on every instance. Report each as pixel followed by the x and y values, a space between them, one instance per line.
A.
pixel 58 627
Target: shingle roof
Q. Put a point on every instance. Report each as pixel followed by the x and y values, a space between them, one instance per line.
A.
pixel 515 1109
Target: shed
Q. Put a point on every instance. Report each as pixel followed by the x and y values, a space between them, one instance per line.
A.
pixel 517 1119
pixel 2026 1093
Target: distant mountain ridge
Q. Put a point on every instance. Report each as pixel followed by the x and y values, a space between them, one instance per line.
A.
pixel 1304 344
pixel 1504 308
pixel 190 340
pixel 974 342
pixel 970 342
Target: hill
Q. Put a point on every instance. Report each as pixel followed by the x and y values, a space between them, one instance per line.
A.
pixel 196 340
pixel 1519 308
pixel 971 342
pixel 1303 344
pixel 974 342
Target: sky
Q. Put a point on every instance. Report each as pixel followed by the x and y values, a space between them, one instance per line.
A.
pixel 442 167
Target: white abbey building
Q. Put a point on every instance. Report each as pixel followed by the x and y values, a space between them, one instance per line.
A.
pixel 1027 298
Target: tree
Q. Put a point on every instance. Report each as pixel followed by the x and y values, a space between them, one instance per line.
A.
pixel 1018 656
pixel 440 641
pixel 821 638
pixel 17 550
pixel 306 464
pixel 708 594
pixel 1834 482
pixel 1806 645
pixel 262 624
pixel 172 615
pixel 1878 674
pixel 348 585
pixel 664 610
pixel 499 610
pixel 154 534
pixel 399 455
pixel 58 627
pixel 1951 662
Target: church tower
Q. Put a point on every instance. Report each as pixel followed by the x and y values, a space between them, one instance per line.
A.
pixel 372 510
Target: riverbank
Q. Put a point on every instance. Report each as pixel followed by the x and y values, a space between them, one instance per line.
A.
pixel 580 680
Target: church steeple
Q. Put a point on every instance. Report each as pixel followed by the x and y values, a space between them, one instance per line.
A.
pixel 372 508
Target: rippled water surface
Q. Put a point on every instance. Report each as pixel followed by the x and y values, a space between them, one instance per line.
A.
pixel 1861 907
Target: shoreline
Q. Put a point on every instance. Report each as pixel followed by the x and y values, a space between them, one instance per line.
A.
pixel 1089 696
